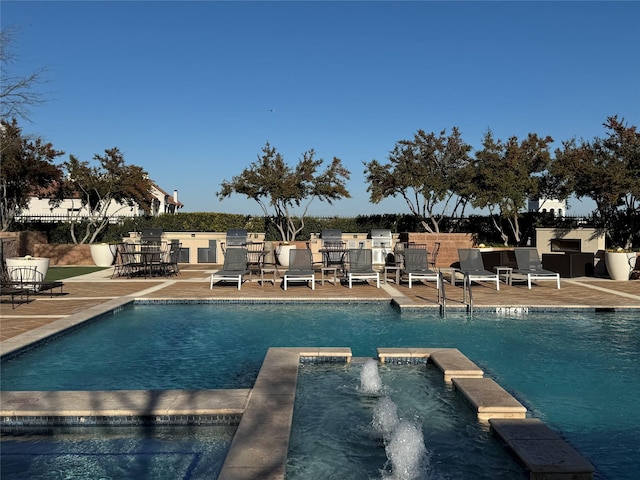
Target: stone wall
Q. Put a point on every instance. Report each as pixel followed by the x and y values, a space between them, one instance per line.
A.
pixel 19 244
pixel 64 254
pixel 449 244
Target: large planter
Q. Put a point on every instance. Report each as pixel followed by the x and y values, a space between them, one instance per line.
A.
pixel 282 252
pixel 40 264
pixel 103 254
pixel 619 264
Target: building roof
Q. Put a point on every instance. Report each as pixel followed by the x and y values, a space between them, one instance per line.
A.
pixel 170 200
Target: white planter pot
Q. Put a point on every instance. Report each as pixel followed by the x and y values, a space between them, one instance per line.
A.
pixel 619 264
pixel 282 252
pixel 41 265
pixel 103 254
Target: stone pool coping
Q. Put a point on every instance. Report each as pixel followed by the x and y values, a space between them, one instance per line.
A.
pixel 260 444
pixel 135 407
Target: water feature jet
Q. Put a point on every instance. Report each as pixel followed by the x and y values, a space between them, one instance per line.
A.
pixel 406 452
pixel 370 381
pixel 385 416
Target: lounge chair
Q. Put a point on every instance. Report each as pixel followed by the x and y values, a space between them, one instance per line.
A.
pixel 360 266
pixel 234 267
pixel 529 264
pixel 416 266
pixel 13 291
pixel 31 279
pixel 473 269
pixel 10 288
pixel 300 267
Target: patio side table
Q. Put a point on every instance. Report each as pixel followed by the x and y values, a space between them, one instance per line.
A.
pixel 326 270
pixel 392 268
pixel 506 272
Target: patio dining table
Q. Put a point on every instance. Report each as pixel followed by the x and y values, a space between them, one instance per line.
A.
pixel 147 262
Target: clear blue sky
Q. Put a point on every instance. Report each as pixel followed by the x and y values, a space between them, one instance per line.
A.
pixel 191 91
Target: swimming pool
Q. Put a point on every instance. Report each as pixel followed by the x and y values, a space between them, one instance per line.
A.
pixel 576 371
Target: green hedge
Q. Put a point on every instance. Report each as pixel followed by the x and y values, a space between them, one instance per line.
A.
pixel 480 225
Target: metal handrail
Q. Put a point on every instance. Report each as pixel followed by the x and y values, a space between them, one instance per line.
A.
pixel 470 304
pixel 442 298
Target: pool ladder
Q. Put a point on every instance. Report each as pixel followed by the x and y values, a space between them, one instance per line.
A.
pixel 467 288
pixel 442 297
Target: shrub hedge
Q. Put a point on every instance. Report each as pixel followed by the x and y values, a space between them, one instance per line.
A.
pixel 220 222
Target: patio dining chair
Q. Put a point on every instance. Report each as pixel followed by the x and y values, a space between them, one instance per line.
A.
pixel 434 255
pixel 255 257
pixel 529 264
pixel 269 265
pixel 171 258
pixel 333 254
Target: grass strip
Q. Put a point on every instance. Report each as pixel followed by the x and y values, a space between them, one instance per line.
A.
pixel 60 273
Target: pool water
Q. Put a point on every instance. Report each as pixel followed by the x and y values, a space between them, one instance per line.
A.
pixel 120 453
pixel 577 372
pixel 333 433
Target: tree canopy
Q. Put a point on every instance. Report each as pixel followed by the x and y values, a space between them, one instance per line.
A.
pixel 27 168
pixel 280 189
pixel 427 172
pixel 16 91
pixel 607 170
pixel 103 191
pixel 505 175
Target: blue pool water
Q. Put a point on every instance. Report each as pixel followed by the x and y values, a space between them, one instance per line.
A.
pixel 578 372
pixel 334 433
pixel 159 453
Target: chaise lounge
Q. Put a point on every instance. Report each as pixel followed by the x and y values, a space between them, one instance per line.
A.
pixel 416 266
pixel 360 266
pixel 529 264
pixel 234 267
pixel 472 267
pixel 300 268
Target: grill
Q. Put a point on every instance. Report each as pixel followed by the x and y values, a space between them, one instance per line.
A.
pixel 381 245
pixel 330 235
pixel 151 237
pixel 236 237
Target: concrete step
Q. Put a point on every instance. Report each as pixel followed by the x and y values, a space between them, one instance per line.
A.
pixel 541 450
pixel 489 399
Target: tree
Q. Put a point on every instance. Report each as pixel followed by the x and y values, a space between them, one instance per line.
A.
pixel 607 170
pixel 27 169
pixel 279 189
pixel 504 175
pixel 16 94
pixel 426 173
pixel 103 191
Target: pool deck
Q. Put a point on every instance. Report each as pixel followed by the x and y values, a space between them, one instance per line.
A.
pixel 92 290
pixel 88 295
